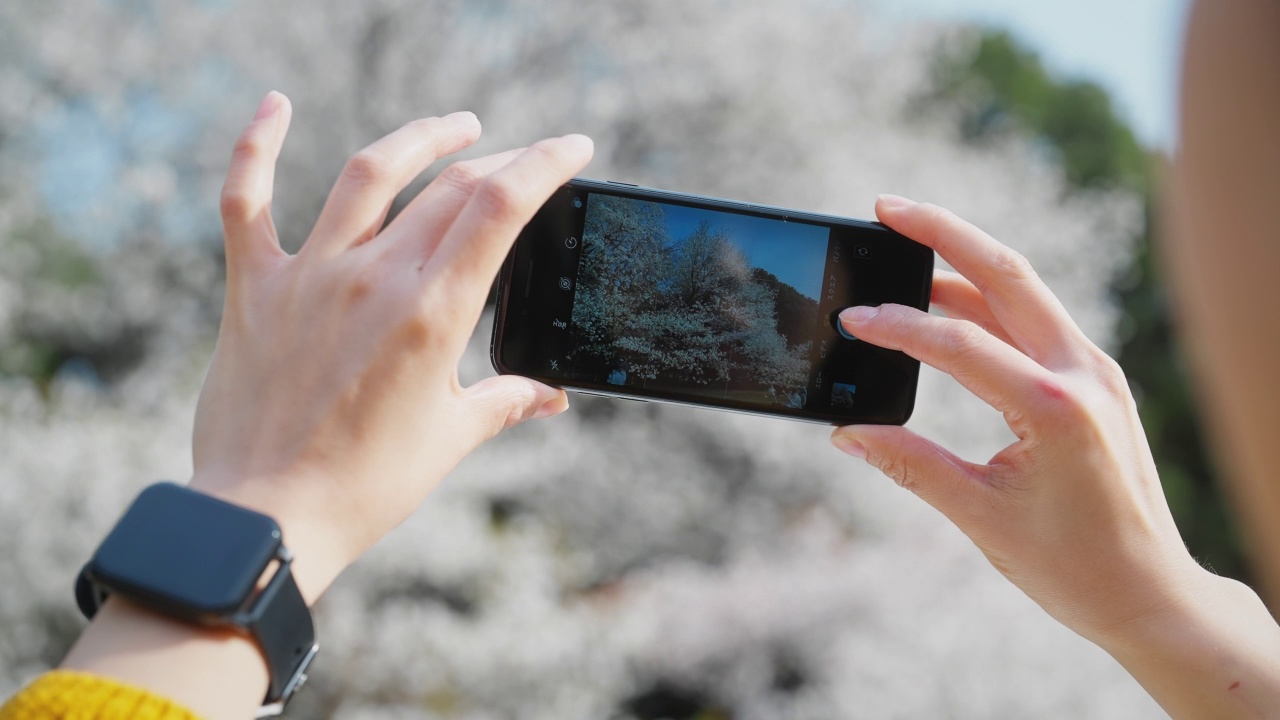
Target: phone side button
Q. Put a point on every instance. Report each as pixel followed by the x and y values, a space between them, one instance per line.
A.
pixel 625 184
pixel 596 393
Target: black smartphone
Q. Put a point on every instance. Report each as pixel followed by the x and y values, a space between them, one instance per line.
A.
pixel 629 292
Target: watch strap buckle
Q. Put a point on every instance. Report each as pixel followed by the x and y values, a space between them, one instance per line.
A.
pixel 295 683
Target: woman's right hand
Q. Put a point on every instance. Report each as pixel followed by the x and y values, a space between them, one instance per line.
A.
pixel 333 402
pixel 1073 512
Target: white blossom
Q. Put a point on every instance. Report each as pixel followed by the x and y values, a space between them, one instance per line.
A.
pixel 570 564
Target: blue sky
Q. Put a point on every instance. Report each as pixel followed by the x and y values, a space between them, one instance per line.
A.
pixel 795 252
pixel 1130 47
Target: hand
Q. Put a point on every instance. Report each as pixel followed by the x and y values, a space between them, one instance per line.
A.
pixel 333 402
pixel 1072 512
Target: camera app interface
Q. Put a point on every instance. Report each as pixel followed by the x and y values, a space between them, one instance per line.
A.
pixel 699 302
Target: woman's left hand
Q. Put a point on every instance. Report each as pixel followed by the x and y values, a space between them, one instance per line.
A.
pixel 1072 512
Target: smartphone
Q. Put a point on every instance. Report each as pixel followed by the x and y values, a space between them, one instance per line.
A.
pixel 641 294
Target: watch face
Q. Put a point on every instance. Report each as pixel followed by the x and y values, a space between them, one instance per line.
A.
pixel 190 552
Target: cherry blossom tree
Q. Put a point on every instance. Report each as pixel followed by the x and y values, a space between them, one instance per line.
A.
pixel 623 560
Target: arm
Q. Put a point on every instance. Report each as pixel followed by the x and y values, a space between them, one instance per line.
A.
pixel 1224 253
pixel 1072 512
pixel 332 403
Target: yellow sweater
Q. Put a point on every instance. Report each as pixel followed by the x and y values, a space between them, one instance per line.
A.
pixel 66 695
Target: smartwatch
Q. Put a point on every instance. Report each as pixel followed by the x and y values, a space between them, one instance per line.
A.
pixel 199 559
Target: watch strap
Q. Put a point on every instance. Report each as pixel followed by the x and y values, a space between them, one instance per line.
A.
pixel 281 623
pixel 275 614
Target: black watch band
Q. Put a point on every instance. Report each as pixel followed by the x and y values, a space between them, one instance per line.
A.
pixel 163 554
pixel 281 623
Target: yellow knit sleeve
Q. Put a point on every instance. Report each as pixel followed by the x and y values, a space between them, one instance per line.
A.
pixel 66 695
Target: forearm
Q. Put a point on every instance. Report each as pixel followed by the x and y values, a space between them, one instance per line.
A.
pixel 214 673
pixel 1215 652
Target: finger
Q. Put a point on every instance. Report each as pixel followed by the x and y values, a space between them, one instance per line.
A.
pixel 1000 375
pixel 477 242
pixel 1018 298
pixel 249 233
pixel 497 403
pixel 418 229
pixel 373 177
pixel 958 298
pixel 955 487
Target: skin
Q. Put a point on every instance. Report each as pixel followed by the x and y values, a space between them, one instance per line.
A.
pixel 333 404
pixel 1203 646
pixel 1072 512
pixel 1224 253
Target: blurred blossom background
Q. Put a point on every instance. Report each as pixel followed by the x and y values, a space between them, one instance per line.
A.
pixel 623 560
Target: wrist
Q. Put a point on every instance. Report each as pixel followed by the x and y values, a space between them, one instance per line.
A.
pixel 1209 652
pixel 1175 606
pixel 215 672
pixel 1209 610
pixel 181 567
pixel 1163 592
pixel 319 555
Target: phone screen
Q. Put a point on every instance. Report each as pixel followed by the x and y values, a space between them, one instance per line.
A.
pixel 647 294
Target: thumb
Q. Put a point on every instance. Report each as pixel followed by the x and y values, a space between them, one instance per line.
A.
pixel 497 403
pixel 953 486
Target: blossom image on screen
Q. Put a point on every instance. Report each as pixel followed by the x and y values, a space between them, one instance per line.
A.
pixel 698 301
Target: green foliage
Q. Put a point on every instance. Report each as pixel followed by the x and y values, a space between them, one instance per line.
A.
pixel 40 257
pixel 55 259
pixel 1002 85
pixel 1095 147
pixel 1155 366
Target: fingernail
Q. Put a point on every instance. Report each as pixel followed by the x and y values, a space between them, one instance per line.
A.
pixel 895 202
pixel 554 406
pixel 463 116
pixel 859 314
pixel 269 105
pixel 578 139
pixel 849 446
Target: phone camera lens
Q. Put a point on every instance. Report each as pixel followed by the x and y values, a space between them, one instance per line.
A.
pixel 862 251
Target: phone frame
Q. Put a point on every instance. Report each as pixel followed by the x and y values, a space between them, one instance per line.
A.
pixel 611 187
